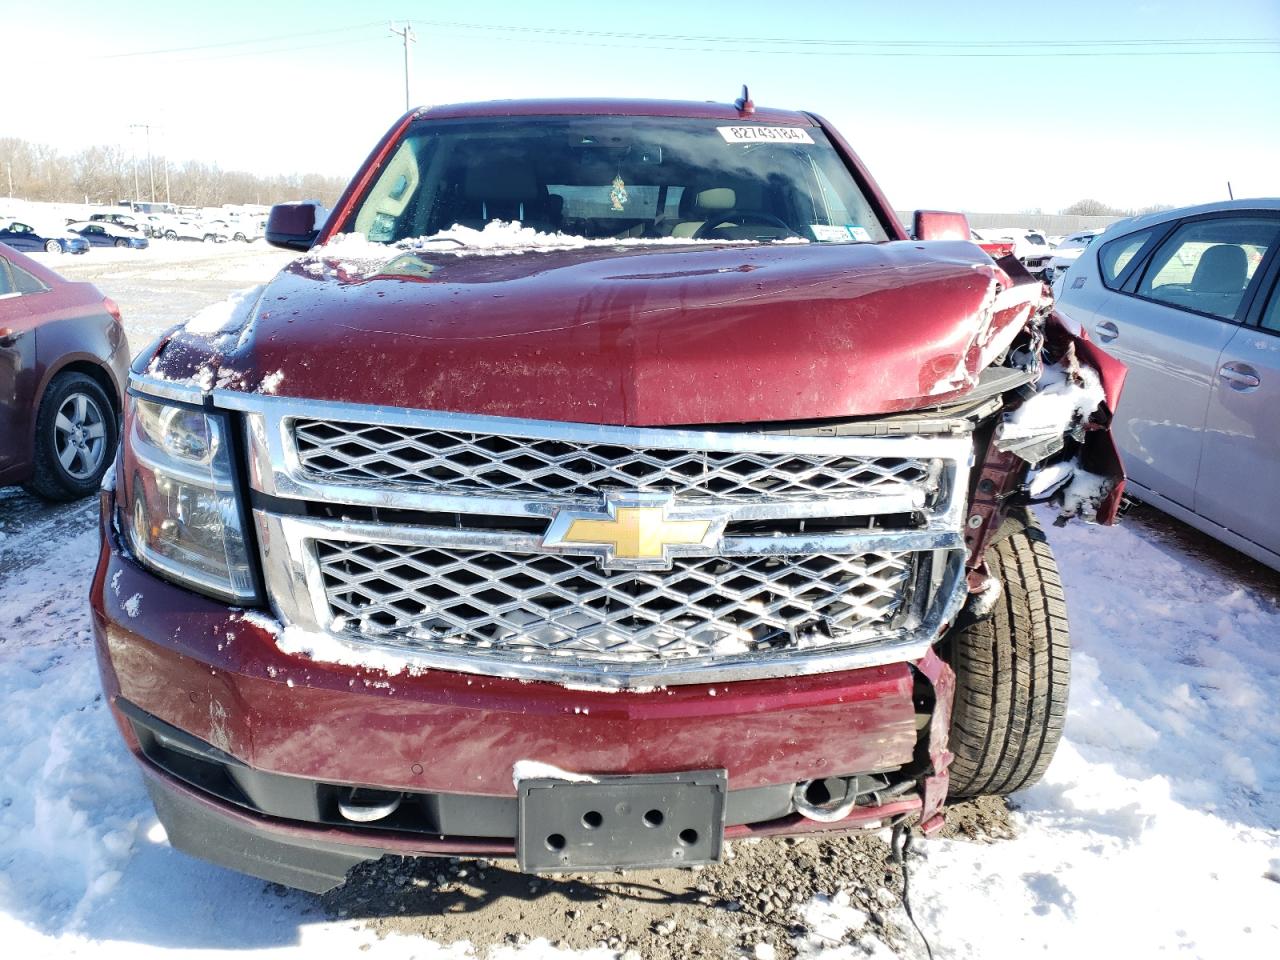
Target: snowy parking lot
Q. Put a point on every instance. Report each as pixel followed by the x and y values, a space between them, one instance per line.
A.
pixel 1155 832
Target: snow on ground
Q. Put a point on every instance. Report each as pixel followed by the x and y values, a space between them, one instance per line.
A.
pixel 1152 834
pixel 1157 823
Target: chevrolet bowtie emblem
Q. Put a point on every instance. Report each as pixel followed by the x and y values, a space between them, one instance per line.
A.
pixel 636 530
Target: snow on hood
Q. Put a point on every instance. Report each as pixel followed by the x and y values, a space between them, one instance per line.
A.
pixel 356 255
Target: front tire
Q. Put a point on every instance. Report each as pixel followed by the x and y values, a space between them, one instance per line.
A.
pixel 76 434
pixel 52 246
pixel 1013 670
pixel 122 242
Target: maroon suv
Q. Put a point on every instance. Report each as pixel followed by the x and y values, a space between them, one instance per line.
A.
pixel 608 480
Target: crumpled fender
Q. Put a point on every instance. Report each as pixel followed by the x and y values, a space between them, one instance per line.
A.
pixel 1100 454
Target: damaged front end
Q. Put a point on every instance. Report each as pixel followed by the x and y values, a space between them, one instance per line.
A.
pixel 1040 415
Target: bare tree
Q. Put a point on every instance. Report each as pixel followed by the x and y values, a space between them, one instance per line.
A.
pixel 104 174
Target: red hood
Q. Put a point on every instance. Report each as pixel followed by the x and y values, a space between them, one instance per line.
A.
pixel 627 335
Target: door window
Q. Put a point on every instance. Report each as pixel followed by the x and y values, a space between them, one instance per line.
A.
pixel 1206 265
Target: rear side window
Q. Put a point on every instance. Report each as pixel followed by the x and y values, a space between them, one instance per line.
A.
pixel 24 282
pixel 1271 319
pixel 1117 254
pixel 1206 265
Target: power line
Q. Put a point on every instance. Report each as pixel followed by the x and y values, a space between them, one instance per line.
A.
pixel 869 53
pixel 235 43
pixel 923 44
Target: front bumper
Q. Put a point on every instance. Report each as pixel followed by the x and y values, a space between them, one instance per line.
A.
pixel 217 676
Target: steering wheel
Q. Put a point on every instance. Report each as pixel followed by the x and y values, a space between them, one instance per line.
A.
pixel 740 218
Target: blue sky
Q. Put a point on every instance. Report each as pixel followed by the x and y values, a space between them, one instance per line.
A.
pixel 1024 129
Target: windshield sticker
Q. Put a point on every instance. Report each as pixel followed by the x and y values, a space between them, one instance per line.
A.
pixel 829 233
pixel 859 233
pixel 754 134
pixel 618 195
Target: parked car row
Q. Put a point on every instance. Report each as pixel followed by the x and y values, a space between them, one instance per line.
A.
pixel 175 227
pixel 21 235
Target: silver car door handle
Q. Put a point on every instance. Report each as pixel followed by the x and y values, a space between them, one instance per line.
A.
pixel 1240 376
pixel 1106 331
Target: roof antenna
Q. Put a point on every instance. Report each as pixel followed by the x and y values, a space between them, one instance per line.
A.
pixel 744 103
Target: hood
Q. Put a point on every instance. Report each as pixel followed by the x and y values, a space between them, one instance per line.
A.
pixel 641 336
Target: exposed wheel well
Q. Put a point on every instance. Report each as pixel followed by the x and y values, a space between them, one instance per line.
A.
pixel 95 373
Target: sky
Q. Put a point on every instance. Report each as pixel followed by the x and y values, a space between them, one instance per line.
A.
pixel 976 106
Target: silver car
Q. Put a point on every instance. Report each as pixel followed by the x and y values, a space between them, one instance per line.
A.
pixel 1189 299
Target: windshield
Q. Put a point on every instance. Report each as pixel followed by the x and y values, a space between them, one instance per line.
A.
pixel 617 178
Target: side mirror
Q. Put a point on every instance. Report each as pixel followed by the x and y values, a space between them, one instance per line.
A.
pixel 294 226
pixel 940 225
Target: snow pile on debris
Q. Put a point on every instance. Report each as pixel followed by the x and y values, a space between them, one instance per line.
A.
pixel 354 254
pixel 1067 394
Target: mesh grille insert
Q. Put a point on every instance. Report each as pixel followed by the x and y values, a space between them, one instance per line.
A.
pixel 545 606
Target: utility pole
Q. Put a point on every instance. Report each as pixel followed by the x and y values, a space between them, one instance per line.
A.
pixel 151 170
pixel 407 35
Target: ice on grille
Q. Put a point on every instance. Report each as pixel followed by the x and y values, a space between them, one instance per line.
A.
pixel 546 606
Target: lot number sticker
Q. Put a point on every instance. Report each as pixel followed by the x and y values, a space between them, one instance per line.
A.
pixel 754 134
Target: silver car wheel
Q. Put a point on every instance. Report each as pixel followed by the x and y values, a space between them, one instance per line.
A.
pixel 53 246
pixel 79 436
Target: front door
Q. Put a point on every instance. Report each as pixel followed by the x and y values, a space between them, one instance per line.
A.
pixel 1239 484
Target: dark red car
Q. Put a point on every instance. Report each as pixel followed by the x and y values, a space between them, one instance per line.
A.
pixel 64 359
pixel 609 479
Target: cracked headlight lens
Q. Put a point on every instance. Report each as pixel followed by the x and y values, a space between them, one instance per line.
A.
pixel 180 510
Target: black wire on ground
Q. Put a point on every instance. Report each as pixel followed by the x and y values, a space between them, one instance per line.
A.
pixel 900 846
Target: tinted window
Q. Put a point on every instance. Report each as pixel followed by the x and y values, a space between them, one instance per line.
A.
pixel 1116 254
pixel 613 177
pixel 1271 319
pixel 13 279
pixel 1205 265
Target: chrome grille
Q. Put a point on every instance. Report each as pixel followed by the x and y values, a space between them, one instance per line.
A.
pixel 457 461
pixel 530 604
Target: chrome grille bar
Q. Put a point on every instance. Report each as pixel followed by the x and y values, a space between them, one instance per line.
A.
pixel 436 459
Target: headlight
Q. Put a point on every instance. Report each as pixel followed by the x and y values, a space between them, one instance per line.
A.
pixel 178 499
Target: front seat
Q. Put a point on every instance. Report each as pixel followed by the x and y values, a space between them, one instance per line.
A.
pixel 503 190
pixel 697 207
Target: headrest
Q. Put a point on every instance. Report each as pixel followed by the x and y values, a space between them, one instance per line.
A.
pixel 717 198
pixel 1223 268
pixel 500 181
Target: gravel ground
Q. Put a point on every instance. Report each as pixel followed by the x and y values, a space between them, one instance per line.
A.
pixel 720 911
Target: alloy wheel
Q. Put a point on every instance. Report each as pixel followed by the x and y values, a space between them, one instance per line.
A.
pixel 79 435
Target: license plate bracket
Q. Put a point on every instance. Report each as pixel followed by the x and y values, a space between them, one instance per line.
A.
pixel 610 822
